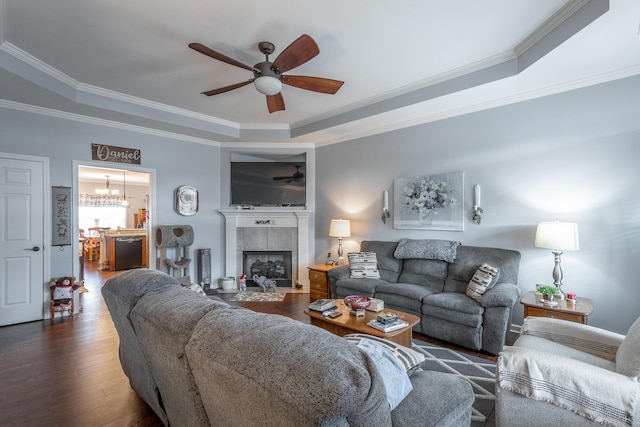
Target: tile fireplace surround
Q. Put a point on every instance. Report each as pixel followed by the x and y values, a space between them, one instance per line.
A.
pixel 268 230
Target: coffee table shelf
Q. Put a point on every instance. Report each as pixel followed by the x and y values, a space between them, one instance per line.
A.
pixel 348 324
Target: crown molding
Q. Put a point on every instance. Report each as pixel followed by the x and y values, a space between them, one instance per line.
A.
pixel 321 129
pixel 2 21
pixel 482 106
pixel 153 105
pixel 551 24
pixel 59 114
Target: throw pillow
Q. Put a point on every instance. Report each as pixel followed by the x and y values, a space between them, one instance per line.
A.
pixel 63 292
pixel 363 265
pixel 628 356
pixel 485 278
pixel 410 359
pixel 443 250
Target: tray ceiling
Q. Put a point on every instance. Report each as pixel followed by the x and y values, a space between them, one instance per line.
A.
pixel 127 63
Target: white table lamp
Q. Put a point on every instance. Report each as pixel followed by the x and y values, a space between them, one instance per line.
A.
pixel 340 228
pixel 557 236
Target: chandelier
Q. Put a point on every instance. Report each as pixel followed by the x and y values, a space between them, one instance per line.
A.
pixel 104 197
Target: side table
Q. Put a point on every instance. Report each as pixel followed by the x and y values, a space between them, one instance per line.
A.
pixel 319 282
pixel 566 310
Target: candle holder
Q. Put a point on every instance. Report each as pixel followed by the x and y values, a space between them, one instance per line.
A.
pixel 476 217
pixel 477 214
pixel 385 206
pixel 385 214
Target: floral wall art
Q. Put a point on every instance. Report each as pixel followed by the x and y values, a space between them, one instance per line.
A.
pixel 429 202
pixel 61 212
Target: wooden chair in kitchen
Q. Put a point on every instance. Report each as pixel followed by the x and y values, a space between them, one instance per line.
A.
pixel 92 244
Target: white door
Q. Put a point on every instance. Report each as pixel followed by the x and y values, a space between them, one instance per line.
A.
pixel 22 225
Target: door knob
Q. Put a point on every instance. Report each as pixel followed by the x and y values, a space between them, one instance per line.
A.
pixel 34 249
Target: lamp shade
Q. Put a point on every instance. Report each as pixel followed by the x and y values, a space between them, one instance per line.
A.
pixel 556 235
pixel 340 228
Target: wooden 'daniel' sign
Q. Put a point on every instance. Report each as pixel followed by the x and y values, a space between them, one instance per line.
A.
pixel 110 153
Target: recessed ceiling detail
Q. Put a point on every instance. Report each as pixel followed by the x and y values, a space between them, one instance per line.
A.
pixel 117 64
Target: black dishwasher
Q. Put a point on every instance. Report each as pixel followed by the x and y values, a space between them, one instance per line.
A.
pixel 128 253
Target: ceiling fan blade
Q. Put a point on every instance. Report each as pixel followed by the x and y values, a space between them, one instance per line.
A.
pixel 297 53
pixel 227 88
pixel 316 84
pixel 275 102
pixel 219 56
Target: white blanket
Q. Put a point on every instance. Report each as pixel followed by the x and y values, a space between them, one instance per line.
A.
pixel 395 378
pixel 596 341
pixel 593 392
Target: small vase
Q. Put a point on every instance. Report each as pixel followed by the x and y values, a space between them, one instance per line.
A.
pixel 424 216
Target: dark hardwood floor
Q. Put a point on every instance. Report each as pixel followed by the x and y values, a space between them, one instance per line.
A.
pixel 67 372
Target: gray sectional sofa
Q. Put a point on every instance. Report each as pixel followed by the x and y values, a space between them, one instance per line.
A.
pixel 198 361
pixel 435 290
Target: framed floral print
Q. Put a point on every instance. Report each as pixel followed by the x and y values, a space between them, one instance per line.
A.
pixel 429 202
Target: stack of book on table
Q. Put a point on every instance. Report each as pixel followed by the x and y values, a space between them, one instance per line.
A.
pixel 387 322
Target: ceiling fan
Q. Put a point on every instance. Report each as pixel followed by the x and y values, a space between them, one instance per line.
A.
pixel 268 77
pixel 297 176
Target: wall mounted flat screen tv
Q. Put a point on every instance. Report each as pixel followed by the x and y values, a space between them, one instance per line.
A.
pixel 268 183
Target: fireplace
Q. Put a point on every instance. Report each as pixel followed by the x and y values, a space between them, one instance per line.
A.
pixel 274 265
pixel 269 230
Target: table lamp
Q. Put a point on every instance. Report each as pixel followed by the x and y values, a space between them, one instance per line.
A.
pixel 557 236
pixel 340 228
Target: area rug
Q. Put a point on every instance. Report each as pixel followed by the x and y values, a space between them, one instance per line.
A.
pixel 258 296
pixel 479 372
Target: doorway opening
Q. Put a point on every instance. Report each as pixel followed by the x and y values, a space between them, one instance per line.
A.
pixel 113 204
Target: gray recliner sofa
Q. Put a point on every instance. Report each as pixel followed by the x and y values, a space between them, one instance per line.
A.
pixel 198 361
pixel 435 290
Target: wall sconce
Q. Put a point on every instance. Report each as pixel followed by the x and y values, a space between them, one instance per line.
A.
pixel 340 228
pixel 385 206
pixel 476 217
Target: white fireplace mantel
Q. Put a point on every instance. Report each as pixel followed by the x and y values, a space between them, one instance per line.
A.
pixel 272 217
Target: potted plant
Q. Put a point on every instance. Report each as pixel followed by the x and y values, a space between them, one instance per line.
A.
pixel 549 293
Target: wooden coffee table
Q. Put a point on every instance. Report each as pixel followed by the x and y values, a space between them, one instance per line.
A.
pixel 348 324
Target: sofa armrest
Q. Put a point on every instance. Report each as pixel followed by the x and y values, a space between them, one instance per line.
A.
pixel 335 274
pixel 501 295
pixel 593 392
pixel 340 272
pixel 596 341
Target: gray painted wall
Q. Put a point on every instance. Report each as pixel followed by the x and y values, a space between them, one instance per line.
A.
pixel 572 156
pixel 65 141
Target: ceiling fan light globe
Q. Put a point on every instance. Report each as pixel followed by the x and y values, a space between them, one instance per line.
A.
pixel 268 85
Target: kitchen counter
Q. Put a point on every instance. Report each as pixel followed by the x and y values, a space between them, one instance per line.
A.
pixel 122 241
